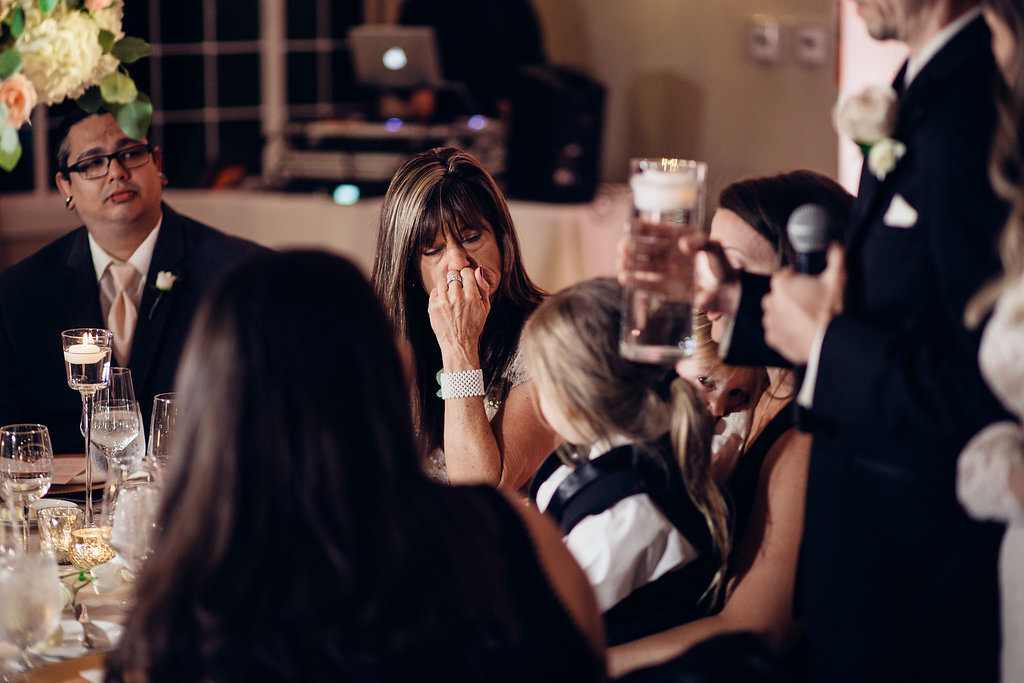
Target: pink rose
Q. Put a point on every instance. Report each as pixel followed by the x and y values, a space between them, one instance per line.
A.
pixel 97 5
pixel 19 95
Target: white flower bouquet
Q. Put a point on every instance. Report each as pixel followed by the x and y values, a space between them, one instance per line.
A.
pixel 52 50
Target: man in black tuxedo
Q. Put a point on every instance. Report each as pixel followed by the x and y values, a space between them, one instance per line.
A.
pixel 897 583
pixel 115 183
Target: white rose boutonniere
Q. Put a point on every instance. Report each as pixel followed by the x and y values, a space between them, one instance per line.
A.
pixel 165 280
pixel 869 119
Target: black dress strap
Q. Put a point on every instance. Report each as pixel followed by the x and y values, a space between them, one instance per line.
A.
pixel 743 482
pixel 594 486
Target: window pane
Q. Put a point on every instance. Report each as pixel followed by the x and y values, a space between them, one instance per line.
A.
pixel 302 75
pixel 241 144
pixel 184 154
pixel 181 21
pixel 238 80
pixel 183 82
pixel 301 19
pixel 239 20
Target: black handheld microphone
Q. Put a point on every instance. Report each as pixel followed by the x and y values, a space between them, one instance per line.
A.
pixel 809 233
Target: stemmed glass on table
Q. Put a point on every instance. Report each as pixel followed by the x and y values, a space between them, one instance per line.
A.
pixel 30 597
pixel 130 519
pixel 116 423
pixel 87 361
pixel 161 432
pixel 26 468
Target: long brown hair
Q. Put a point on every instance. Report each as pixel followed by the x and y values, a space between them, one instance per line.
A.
pixel 1006 163
pixel 571 344
pixel 445 189
pixel 301 539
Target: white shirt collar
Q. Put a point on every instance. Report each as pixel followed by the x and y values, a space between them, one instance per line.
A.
pixel 140 258
pixel 917 62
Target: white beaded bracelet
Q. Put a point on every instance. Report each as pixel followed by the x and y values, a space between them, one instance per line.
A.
pixel 462 384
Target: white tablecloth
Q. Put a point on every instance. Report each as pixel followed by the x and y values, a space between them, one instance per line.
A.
pixel 561 243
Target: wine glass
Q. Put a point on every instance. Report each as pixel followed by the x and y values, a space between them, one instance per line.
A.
pixel 116 424
pixel 30 598
pixel 119 387
pixel 26 467
pixel 87 362
pixel 129 514
pixel 161 431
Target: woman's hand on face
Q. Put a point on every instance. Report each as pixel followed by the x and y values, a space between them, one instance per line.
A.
pixel 458 312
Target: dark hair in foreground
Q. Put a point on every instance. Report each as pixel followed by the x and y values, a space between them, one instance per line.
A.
pixel 446 189
pixel 766 203
pixel 301 540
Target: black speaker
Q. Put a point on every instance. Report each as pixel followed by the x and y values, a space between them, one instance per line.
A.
pixel 554 141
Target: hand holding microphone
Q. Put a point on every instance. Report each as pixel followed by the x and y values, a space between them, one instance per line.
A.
pixel 807 295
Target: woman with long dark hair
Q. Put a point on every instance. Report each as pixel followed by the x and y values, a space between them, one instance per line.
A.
pixel 302 541
pixel 450 277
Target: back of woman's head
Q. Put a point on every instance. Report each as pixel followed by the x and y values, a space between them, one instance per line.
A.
pixel 293 450
pixel 291 389
pixel 571 346
pixel 766 203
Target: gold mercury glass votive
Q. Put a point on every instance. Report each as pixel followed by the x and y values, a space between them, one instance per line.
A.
pixel 55 527
pixel 88 548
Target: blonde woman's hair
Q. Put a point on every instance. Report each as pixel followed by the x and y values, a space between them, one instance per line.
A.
pixel 571 345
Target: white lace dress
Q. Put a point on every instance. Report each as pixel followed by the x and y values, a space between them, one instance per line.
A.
pixel 515 375
pixel 993 458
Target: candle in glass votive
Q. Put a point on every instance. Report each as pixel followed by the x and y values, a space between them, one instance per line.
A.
pixel 83 354
pixel 89 547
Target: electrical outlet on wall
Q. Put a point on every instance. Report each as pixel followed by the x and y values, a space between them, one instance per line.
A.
pixel 763 39
pixel 811 44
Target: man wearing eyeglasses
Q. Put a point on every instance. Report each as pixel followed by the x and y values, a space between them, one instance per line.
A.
pixel 135 267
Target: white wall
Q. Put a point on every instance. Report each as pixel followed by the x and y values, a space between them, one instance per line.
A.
pixel 680 83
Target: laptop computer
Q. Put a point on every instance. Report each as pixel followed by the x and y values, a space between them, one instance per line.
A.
pixel 394 56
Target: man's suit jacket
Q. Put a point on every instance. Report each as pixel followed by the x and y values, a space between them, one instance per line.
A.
pixel 897 582
pixel 55 289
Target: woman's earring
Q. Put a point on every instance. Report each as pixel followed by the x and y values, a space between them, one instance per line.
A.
pixel 163 177
pixel 67 201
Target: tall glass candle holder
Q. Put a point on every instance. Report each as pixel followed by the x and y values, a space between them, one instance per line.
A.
pixel 87 361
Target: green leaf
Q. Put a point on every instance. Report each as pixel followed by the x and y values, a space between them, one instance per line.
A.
pixel 10 62
pixel 5 115
pixel 133 118
pixel 106 40
pixel 18 22
pixel 129 49
pixel 10 148
pixel 91 100
pixel 46 6
pixel 118 88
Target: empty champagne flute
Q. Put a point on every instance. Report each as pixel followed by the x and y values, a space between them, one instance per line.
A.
pixel 87 362
pixel 161 431
pixel 26 467
pixel 116 423
pixel 30 598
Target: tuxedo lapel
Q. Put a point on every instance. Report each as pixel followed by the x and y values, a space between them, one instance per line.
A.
pixel 80 291
pixel 156 310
